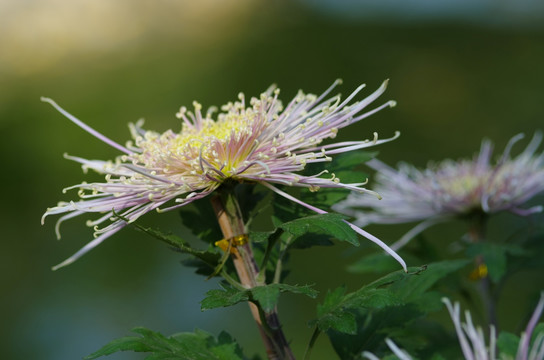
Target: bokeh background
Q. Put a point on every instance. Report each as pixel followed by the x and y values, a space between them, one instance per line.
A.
pixel 459 70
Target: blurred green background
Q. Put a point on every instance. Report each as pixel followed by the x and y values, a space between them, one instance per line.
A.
pixel 459 70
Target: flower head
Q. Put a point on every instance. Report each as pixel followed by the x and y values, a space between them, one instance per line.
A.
pixel 451 189
pixel 258 141
pixel 472 340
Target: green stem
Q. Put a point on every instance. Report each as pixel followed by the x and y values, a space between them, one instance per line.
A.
pixel 232 281
pixel 477 233
pixel 310 346
pixel 279 262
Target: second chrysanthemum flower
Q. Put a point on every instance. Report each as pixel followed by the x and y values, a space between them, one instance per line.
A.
pixel 451 189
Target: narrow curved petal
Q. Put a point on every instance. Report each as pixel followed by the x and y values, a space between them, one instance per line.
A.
pixel 358 230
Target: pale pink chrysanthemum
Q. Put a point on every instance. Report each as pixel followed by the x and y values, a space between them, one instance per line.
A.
pixel 473 343
pixel 451 189
pixel 259 142
pixel 472 339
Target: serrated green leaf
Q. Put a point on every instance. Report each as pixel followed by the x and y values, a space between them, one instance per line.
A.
pixel 223 298
pixel 409 286
pixel 394 277
pixel 392 302
pixel 372 327
pixel 332 300
pixel 266 296
pixel 413 286
pixel 389 292
pixel 341 321
pixel 298 289
pixel 199 345
pixel 261 236
pixel 371 299
pixel 302 241
pixel 129 343
pixel 327 224
pixel 331 314
pixel 309 240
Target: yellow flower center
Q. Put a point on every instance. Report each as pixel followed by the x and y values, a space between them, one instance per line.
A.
pixel 461 186
pixel 210 130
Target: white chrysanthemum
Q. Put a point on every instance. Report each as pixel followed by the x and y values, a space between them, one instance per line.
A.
pixel 472 339
pixel 259 142
pixel 473 342
pixel 451 189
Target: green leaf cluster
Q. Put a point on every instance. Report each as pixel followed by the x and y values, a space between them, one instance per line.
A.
pixel 361 320
pixel 495 256
pixel 198 345
pixel 265 296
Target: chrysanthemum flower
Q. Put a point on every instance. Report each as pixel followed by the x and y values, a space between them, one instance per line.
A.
pixel 472 338
pixel 259 142
pixel 473 342
pixel 451 189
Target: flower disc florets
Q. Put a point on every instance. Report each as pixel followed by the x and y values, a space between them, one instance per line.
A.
pixel 257 142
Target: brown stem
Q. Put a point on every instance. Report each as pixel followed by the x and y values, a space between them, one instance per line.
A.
pixel 231 223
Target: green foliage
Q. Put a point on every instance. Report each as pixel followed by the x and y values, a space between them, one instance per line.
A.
pixel 344 166
pixel 310 230
pixel 531 257
pixel 382 308
pixel 411 288
pixel 332 314
pixel 265 296
pixel 313 230
pixel 198 345
pixel 508 344
pixel 228 296
pixel 331 225
pixel 284 210
pixel 495 257
pixel 357 321
pixel 200 219
pixel 248 198
pixel 206 261
pixel 539 329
